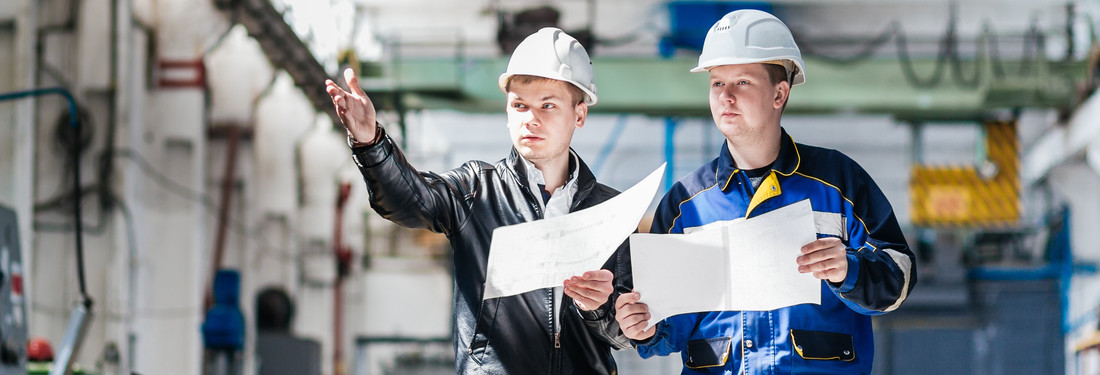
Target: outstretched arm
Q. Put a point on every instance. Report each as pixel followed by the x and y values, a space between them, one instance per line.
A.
pixel 398 191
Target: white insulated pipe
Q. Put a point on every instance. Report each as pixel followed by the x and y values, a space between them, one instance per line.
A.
pixel 1080 134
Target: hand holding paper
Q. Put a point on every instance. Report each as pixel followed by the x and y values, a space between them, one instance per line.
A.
pixel 729 266
pixel 826 258
pixel 542 253
pixel 633 317
pixel 590 290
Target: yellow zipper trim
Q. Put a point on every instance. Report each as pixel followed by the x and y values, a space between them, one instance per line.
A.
pixel 769 188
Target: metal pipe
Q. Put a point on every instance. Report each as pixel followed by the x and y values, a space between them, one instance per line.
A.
pixel 234 134
pixel 1057 145
pixel 343 263
pixel 74 336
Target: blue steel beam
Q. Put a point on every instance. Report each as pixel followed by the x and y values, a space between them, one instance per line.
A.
pixel 609 144
pixel 670 152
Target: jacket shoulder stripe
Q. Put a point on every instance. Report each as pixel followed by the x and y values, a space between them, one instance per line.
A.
pixel 680 211
pixel 827 184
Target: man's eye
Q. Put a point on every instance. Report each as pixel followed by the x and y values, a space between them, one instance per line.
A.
pixel 519 105
pixel 718 84
pixel 549 106
pixel 742 82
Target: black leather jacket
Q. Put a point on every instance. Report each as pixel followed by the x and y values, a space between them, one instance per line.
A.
pixel 508 335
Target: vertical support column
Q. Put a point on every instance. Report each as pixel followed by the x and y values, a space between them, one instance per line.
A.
pixel 26 37
pixel 670 152
pixel 126 261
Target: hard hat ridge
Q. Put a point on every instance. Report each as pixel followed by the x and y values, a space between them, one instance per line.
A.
pixel 749 36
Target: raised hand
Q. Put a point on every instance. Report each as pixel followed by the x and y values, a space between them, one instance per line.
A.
pixel 354 108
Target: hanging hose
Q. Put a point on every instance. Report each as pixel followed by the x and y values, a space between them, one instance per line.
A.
pixel 85 300
pixel 947 54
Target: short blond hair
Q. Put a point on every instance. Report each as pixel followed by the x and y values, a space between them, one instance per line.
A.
pixel 777 71
pixel 574 91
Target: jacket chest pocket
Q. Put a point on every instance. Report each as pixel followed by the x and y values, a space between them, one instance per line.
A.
pixel 820 345
pixel 710 352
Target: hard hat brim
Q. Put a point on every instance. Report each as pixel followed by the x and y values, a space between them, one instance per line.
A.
pixel 799 77
pixel 589 96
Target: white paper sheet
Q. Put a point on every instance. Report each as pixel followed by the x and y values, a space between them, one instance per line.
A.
pixel 738 265
pixel 543 253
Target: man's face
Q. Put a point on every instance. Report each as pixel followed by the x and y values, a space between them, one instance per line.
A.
pixel 542 117
pixel 743 100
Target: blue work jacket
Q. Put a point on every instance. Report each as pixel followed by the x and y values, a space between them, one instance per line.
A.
pixel 834 337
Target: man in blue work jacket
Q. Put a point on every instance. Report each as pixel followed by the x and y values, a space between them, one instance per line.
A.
pixel 860 255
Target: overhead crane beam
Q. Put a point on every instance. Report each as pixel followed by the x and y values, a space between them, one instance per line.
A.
pixel 663 87
pixel 283 48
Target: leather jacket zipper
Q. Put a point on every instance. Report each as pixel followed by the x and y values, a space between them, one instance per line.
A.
pixel 553 328
pixel 552 305
pixel 552 310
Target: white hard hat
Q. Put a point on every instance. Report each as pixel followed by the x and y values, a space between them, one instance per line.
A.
pixel 749 36
pixel 551 53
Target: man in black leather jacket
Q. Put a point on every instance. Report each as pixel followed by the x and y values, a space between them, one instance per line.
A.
pixel 563 330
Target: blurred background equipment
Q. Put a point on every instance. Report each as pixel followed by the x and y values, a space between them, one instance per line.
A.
pixel 223 330
pixel 278 350
pixel 688 23
pixel 39 350
pixel 979 120
pixel 514 27
pixel 13 311
pixel 70 132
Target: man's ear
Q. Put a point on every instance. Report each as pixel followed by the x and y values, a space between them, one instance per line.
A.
pixel 782 93
pixel 582 113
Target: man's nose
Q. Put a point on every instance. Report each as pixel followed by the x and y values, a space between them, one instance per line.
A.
pixel 529 118
pixel 726 95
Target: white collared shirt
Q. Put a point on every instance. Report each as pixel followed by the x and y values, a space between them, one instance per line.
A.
pixel 560 201
pixel 562 197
